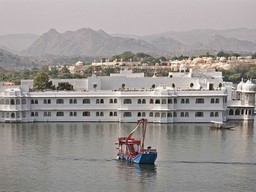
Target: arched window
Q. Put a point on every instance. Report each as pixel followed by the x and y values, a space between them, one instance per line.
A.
pixel 237 112
pixel 115 100
pixel 60 114
pixel 60 101
pixel 97 114
pixel 216 114
pixel 102 101
pixel 169 114
pixel 157 101
pixel 97 101
pixel 151 114
pixel 175 100
pixel 212 100
pixel 32 101
pixel 70 113
pixel 17 102
pixel 115 113
pixel 186 114
pixel 151 101
pixel 32 114
pixel 144 101
pixel 163 101
pixel 127 114
pixel 12 115
pixel 217 100
pixel 127 101
pixel 36 101
pixel 143 114
pixel 231 112
pixel 12 102
pixel 157 114
pixel 174 114
pixel 110 100
pixel 86 114
pixel 187 100
pixel 242 112
pixel 86 101
pixel 45 101
pixel 163 114
pixel 182 101
pixel 182 114
pixel 211 114
pixel 101 114
pixel 139 114
pixel 139 101
pixel 169 101
pixel 75 101
pixel 70 101
pixel 250 112
pixel 49 101
pixel 110 113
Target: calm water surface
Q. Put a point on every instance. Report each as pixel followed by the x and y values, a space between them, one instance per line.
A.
pixel 81 157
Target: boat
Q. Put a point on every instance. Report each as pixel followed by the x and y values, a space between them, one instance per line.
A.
pixel 132 150
pixel 219 125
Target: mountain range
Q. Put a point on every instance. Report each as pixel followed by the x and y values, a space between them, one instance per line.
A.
pixel 91 43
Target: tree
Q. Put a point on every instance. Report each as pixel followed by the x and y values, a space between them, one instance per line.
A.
pixel 65 86
pixel 41 81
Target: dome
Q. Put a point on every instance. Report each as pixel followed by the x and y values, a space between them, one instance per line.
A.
pixel 249 86
pixel 198 60
pixel 240 85
pixel 79 63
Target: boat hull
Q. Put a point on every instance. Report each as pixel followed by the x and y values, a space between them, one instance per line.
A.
pixel 141 158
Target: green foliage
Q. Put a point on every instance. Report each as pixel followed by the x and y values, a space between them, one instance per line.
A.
pixel 64 86
pixel 41 81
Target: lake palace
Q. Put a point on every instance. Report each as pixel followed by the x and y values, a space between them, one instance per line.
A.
pixel 194 96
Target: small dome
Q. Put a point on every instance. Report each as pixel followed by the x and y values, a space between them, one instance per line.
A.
pixel 198 60
pixel 79 63
pixel 240 85
pixel 249 86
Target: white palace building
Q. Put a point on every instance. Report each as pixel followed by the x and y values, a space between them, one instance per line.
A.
pixel 194 96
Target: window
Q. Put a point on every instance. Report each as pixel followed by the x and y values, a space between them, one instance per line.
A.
pixel 45 101
pixel 237 112
pixel 59 101
pixel 151 114
pixel 199 114
pixel 157 114
pixel 12 102
pixel 115 113
pixel 36 101
pixel 86 114
pixel 97 101
pixel 101 114
pixel 163 114
pixel 75 101
pixel 110 100
pixel 175 100
pixel 86 101
pixel 102 101
pixel 151 101
pixel 23 101
pixel 199 100
pixel 216 114
pixel 49 114
pixel 111 114
pixel 163 101
pixel 169 114
pixel 182 101
pixel 139 101
pixel 127 114
pixel 187 100
pixel 157 101
pixel 32 114
pixel 231 112
pixel 60 114
pixel 127 101
pixel 36 114
pixel 97 114
pixel 17 102
pixel 12 115
pixel 217 100
pixel 70 101
pixel 139 114
pixel 143 114
pixel 1 101
pixel 169 101
pixel 211 114
pixel 115 100
pixel 144 101
pixel 32 101
pixel 212 100
pixel 174 114
pixel 70 113
pixel 45 114
pixel 182 114
pixel 49 101
pixel 186 114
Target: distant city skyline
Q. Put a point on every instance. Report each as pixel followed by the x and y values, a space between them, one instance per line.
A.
pixel 135 17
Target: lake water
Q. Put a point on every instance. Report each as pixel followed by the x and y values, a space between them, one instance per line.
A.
pixel 81 157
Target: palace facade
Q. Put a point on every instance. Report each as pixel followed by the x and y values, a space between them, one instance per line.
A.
pixel 194 96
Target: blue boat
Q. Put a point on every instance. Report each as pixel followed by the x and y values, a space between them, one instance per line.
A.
pixel 132 150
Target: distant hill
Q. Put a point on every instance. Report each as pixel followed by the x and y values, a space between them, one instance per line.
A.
pixel 85 41
pixel 9 61
pixel 17 42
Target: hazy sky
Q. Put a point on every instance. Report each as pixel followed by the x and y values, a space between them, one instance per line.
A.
pixel 125 16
